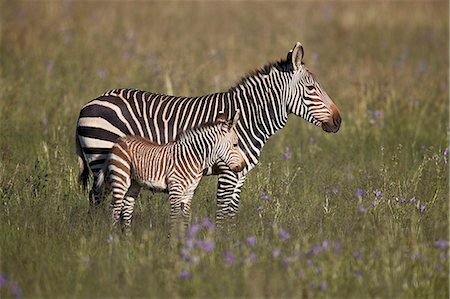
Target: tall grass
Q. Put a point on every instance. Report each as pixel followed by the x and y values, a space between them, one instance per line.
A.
pixel 360 213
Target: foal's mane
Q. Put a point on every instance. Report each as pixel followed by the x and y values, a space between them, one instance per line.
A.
pixel 184 135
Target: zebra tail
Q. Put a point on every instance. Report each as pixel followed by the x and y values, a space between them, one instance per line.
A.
pixel 100 184
pixel 83 177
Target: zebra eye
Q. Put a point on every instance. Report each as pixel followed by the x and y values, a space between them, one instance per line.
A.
pixel 310 87
pixel 235 144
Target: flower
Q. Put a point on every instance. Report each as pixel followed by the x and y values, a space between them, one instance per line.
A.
pixel 185 274
pixel 205 245
pixel 207 223
pixel 251 240
pixel 413 199
pixel 322 284
pixel 359 192
pixel 259 208
pixel 276 252
pixel 440 244
pixel 422 208
pixel 377 193
pixel 334 190
pixel 192 230
pixel 229 257
pixel 264 195
pixel 252 256
pixel 361 208
pixel 403 199
pixel 284 235
pixel 286 153
pixel 110 238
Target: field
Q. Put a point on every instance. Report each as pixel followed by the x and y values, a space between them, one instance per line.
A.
pixel 361 213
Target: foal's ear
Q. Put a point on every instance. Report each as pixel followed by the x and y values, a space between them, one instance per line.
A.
pixel 297 56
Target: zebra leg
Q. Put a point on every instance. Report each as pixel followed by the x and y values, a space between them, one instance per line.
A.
pixel 233 206
pixel 228 194
pixel 128 205
pixel 96 196
pixel 120 189
pixel 175 212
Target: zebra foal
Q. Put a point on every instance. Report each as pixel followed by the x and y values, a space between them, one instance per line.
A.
pixel 176 167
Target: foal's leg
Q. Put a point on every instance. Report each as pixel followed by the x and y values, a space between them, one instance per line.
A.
pixel 128 205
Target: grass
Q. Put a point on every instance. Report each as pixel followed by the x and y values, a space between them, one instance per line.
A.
pixel 384 64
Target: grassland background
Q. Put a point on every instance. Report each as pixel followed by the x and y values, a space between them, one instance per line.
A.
pixel 384 64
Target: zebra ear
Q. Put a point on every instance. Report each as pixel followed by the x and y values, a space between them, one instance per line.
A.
pixel 297 56
pixel 236 117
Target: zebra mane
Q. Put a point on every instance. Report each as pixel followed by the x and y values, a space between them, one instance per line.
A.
pixel 283 65
pixel 185 135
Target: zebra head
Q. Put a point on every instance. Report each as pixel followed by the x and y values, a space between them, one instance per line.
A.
pixel 227 148
pixel 306 98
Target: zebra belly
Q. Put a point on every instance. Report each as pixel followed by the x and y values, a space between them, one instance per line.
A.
pixel 154 185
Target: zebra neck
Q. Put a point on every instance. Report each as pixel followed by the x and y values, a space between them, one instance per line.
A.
pixel 196 145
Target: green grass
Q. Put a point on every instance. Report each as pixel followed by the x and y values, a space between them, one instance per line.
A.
pixel 388 59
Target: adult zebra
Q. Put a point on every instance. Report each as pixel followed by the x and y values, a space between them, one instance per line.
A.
pixel 265 98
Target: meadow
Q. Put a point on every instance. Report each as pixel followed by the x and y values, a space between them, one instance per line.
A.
pixel 358 214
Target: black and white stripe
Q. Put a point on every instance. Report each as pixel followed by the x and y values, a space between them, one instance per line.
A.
pixel 175 167
pixel 265 98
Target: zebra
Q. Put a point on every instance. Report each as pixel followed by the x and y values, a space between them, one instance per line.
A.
pixel 175 167
pixel 265 98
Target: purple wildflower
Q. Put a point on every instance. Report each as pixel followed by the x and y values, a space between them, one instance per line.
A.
pixel 286 153
pixel 110 238
pixel 422 208
pixel 205 245
pixel 259 208
pixel 276 252
pixel 334 190
pixel 192 230
pixel 252 256
pixel 445 153
pixel 325 243
pixel 2 280
pixel 403 199
pixel 185 274
pixel 285 261
pixel 372 121
pixel 322 284
pixel 359 192
pixel 251 240
pixel 361 208
pixel 440 244
pixel 207 223
pixel 284 235
pixel 377 193
pixel 15 290
pixel 229 257
pixel 413 199
pixel 374 203
pixel 415 256
pixel 185 254
pixel 264 196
